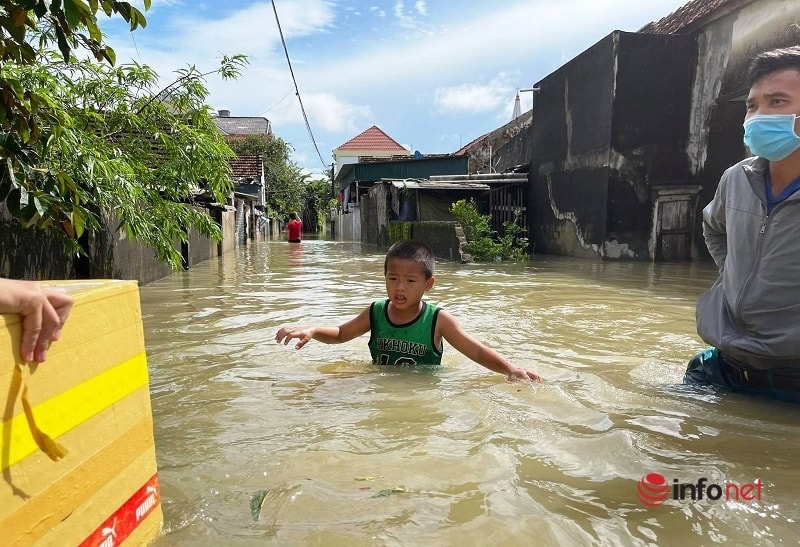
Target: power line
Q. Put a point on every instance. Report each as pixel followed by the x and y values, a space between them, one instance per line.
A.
pixel 297 91
pixel 276 104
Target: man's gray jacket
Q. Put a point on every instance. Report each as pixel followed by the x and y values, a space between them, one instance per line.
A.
pixel 752 312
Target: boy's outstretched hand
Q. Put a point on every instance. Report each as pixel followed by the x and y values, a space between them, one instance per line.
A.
pixel 518 374
pixel 303 334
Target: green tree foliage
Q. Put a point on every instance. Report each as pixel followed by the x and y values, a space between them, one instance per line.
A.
pixel 26 114
pixel 285 181
pixel 115 144
pixel 319 197
pixel 482 243
pixel 80 139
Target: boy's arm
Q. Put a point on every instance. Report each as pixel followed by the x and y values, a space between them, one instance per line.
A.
pixel 451 330
pixel 327 335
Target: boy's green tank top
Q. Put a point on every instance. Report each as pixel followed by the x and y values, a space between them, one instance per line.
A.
pixel 409 344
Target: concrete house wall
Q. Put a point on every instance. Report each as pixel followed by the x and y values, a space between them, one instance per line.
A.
pixel 631 137
pixel 609 126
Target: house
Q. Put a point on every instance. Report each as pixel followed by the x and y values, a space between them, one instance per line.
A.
pixel 501 157
pixel 247 171
pixel 354 181
pixel 420 208
pixel 372 144
pixel 249 197
pixel 369 145
pixel 631 136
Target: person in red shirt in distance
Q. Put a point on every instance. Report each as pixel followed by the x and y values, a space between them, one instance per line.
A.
pixel 294 228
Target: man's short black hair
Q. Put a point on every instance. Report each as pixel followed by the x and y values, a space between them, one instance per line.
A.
pixel 409 249
pixel 293 216
pixel 771 61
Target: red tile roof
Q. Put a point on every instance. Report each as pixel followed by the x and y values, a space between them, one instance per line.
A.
pixel 246 167
pixel 692 15
pixel 372 139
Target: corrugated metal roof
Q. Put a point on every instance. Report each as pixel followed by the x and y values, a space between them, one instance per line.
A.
pixel 489 179
pixel 439 185
pixel 372 139
pixel 412 168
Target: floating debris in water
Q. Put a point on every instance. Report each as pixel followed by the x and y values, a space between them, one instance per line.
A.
pixel 389 492
pixel 256 501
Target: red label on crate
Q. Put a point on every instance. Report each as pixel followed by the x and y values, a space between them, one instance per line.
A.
pixel 126 519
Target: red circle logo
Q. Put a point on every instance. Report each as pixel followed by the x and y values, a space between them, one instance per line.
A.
pixel 653 489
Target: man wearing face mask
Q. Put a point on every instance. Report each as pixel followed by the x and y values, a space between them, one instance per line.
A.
pixel 751 315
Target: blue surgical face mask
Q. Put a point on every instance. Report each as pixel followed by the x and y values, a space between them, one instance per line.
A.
pixel 771 136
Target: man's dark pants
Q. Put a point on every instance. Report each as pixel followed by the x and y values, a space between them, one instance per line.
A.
pixel 710 367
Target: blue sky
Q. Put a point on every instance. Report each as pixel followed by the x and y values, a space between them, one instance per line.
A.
pixel 434 75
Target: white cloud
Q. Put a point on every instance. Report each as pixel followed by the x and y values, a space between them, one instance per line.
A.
pixel 473 98
pixel 405 20
pixel 404 72
pixel 325 111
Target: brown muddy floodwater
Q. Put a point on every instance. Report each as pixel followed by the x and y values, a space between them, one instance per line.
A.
pixel 346 453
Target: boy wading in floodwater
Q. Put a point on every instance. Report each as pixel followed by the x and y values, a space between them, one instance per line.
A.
pixel 405 330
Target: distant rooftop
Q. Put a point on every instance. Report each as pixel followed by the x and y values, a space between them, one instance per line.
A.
pixel 372 139
pixel 247 167
pixel 236 126
pixel 691 15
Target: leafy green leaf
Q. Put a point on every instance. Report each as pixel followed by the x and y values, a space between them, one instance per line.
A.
pixel 63 44
pixel 78 221
pixel 256 502
pixel 72 13
pixel 388 492
pixel 12 202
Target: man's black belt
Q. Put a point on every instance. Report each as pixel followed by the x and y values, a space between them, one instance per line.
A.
pixel 781 379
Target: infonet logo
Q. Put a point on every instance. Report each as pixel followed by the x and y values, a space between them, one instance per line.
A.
pixel 653 490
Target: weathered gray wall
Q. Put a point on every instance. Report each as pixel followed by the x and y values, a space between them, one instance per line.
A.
pixel 370 229
pixel 227 222
pixel 571 143
pixel 650 127
pixel 111 255
pixel 36 254
pixel 608 125
pixel 31 253
pixel 440 236
pixel 518 150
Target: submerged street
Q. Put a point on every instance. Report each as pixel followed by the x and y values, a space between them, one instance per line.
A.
pixel 343 452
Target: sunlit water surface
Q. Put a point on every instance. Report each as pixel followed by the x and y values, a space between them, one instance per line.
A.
pixel 352 454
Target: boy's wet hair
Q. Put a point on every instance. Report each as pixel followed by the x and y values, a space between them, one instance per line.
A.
pixel 409 249
pixel 771 61
pixel 293 216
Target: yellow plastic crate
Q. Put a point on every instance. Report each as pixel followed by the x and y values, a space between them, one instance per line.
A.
pixel 91 397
